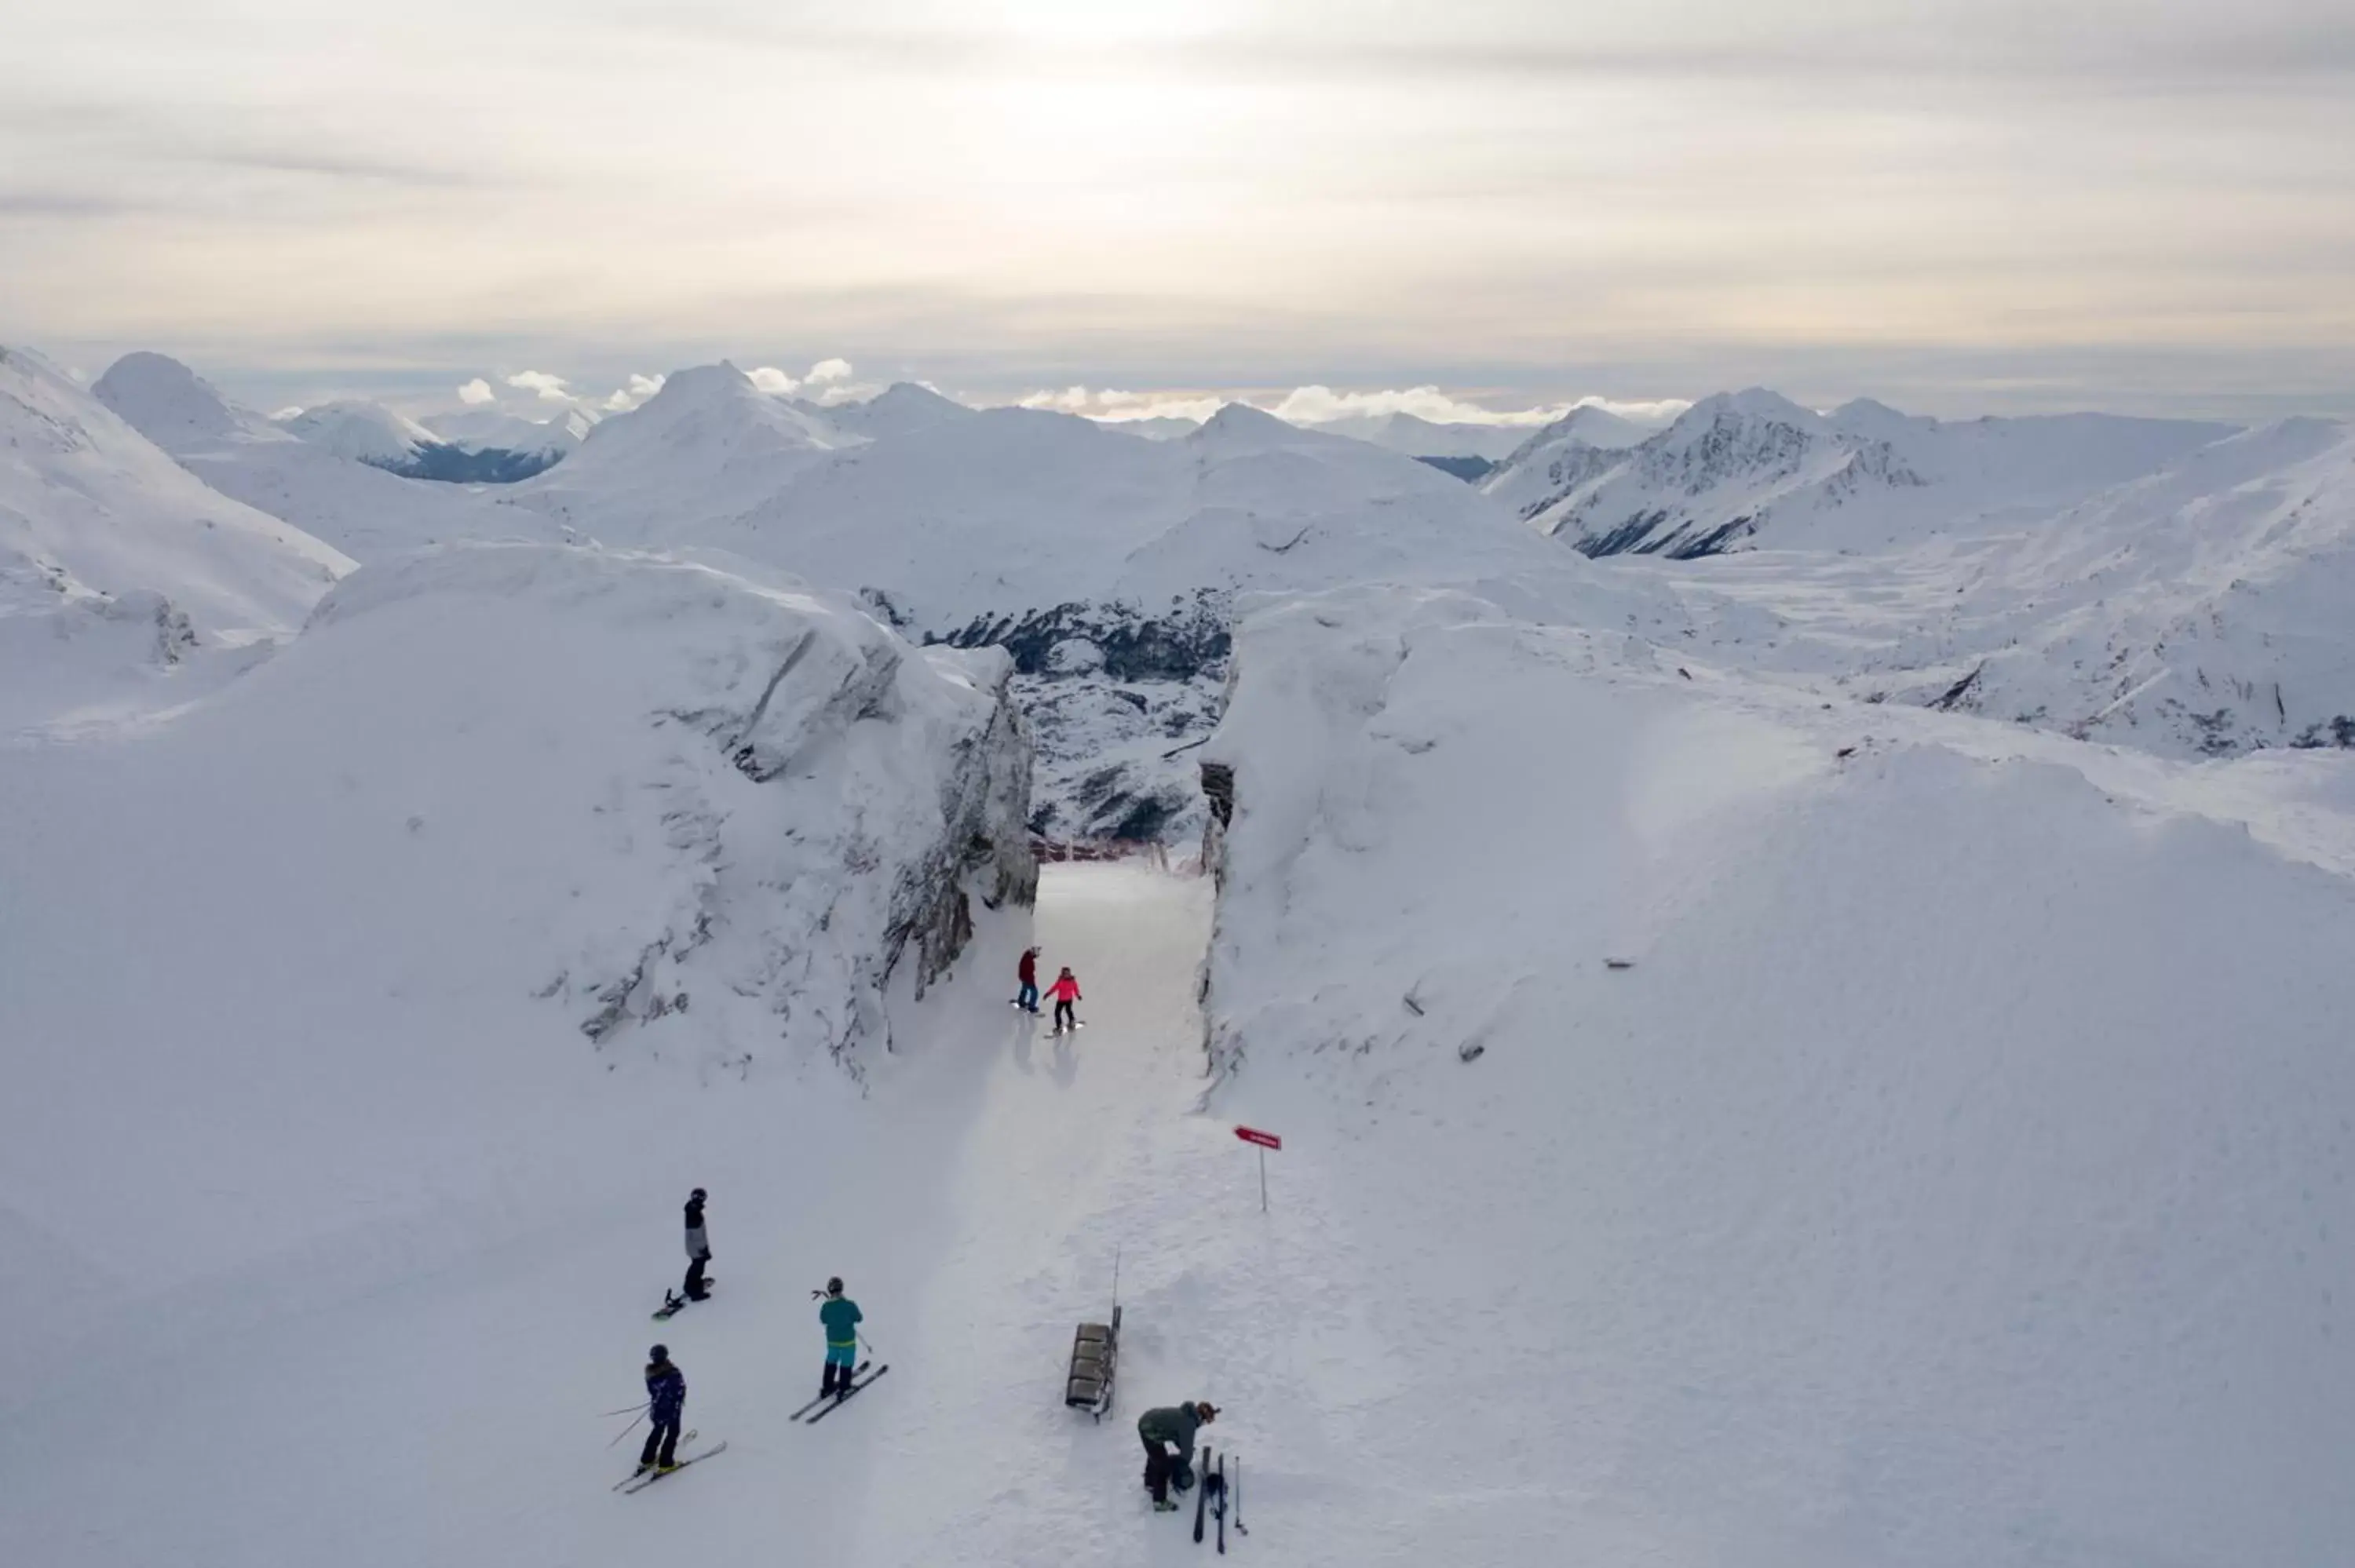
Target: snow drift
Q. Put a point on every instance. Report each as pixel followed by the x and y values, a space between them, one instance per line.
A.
pixel 501 821
pixel 1804 1136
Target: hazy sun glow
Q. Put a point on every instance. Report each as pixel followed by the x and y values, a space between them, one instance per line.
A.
pixel 1546 197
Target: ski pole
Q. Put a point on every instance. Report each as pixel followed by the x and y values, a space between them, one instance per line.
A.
pixel 625 1410
pixel 625 1431
pixel 1240 1527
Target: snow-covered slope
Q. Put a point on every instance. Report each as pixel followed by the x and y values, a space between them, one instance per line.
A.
pixel 118 571
pixel 360 509
pixel 1948 1179
pixel 1753 464
pixel 2210 608
pixel 506 830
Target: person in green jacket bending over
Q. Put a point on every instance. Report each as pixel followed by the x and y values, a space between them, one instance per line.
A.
pixel 1158 1428
pixel 841 1316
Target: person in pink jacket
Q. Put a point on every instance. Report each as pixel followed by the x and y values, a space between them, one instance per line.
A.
pixel 1065 990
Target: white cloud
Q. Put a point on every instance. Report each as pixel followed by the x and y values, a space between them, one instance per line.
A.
pixel 827 370
pixel 1113 405
pixel 476 393
pixel 635 392
pixel 287 413
pixel 772 380
pixel 1322 405
pixel 549 388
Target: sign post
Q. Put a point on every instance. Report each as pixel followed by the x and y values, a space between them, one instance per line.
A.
pixel 1266 1140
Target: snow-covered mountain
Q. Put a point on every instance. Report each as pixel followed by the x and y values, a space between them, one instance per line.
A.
pixel 494 430
pixel 1810 1109
pixel 708 445
pixel 2203 611
pixel 1745 465
pixel 1155 426
pixel 898 409
pixel 2195 611
pixel 360 509
pixel 381 438
pixel 118 568
pixel 364 431
pixel 1035 530
pixel 1419 438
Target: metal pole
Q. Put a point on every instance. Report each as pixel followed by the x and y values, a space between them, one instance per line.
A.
pixel 1262 1178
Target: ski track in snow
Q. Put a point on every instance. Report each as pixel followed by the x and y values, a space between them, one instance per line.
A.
pixel 973 1201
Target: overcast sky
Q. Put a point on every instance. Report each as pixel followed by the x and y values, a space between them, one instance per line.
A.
pixel 1956 207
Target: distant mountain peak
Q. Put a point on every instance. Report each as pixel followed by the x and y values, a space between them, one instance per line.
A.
pixel 174 407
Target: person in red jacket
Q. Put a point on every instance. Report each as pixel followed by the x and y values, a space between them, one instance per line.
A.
pixel 1026 975
pixel 1065 990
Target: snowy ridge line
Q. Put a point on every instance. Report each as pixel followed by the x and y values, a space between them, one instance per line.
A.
pixel 1925 1018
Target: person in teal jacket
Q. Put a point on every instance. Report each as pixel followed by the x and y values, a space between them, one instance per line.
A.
pixel 841 1316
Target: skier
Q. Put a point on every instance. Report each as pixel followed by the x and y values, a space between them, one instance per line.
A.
pixel 699 1247
pixel 841 1316
pixel 1158 1429
pixel 1027 973
pixel 666 1403
pixel 1065 990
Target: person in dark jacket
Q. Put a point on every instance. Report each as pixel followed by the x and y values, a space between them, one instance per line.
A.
pixel 841 1318
pixel 1026 975
pixel 699 1247
pixel 1158 1429
pixel 666 1403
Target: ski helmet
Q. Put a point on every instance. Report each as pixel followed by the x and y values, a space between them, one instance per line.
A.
pixel 697 1194
pixel 660 1353
pixel 832 1287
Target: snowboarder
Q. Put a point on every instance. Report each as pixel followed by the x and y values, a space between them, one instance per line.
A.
pixel 666 1403
pixel 841 1316
pixel 1158 1429
pixel 699 1247
pixel 1026 974
pixel 1065 990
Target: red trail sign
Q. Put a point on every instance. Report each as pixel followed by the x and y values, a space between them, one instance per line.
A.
pixel 1266 1141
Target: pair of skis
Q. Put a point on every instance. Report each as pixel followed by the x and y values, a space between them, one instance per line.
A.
pixel 1214 1485
pixel 639 1480
pixel 825 1404
pixel 859 1380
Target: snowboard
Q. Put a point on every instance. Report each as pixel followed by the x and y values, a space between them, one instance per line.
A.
pixel 646 1479
pixel 674 1304
pixel 1077 1024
